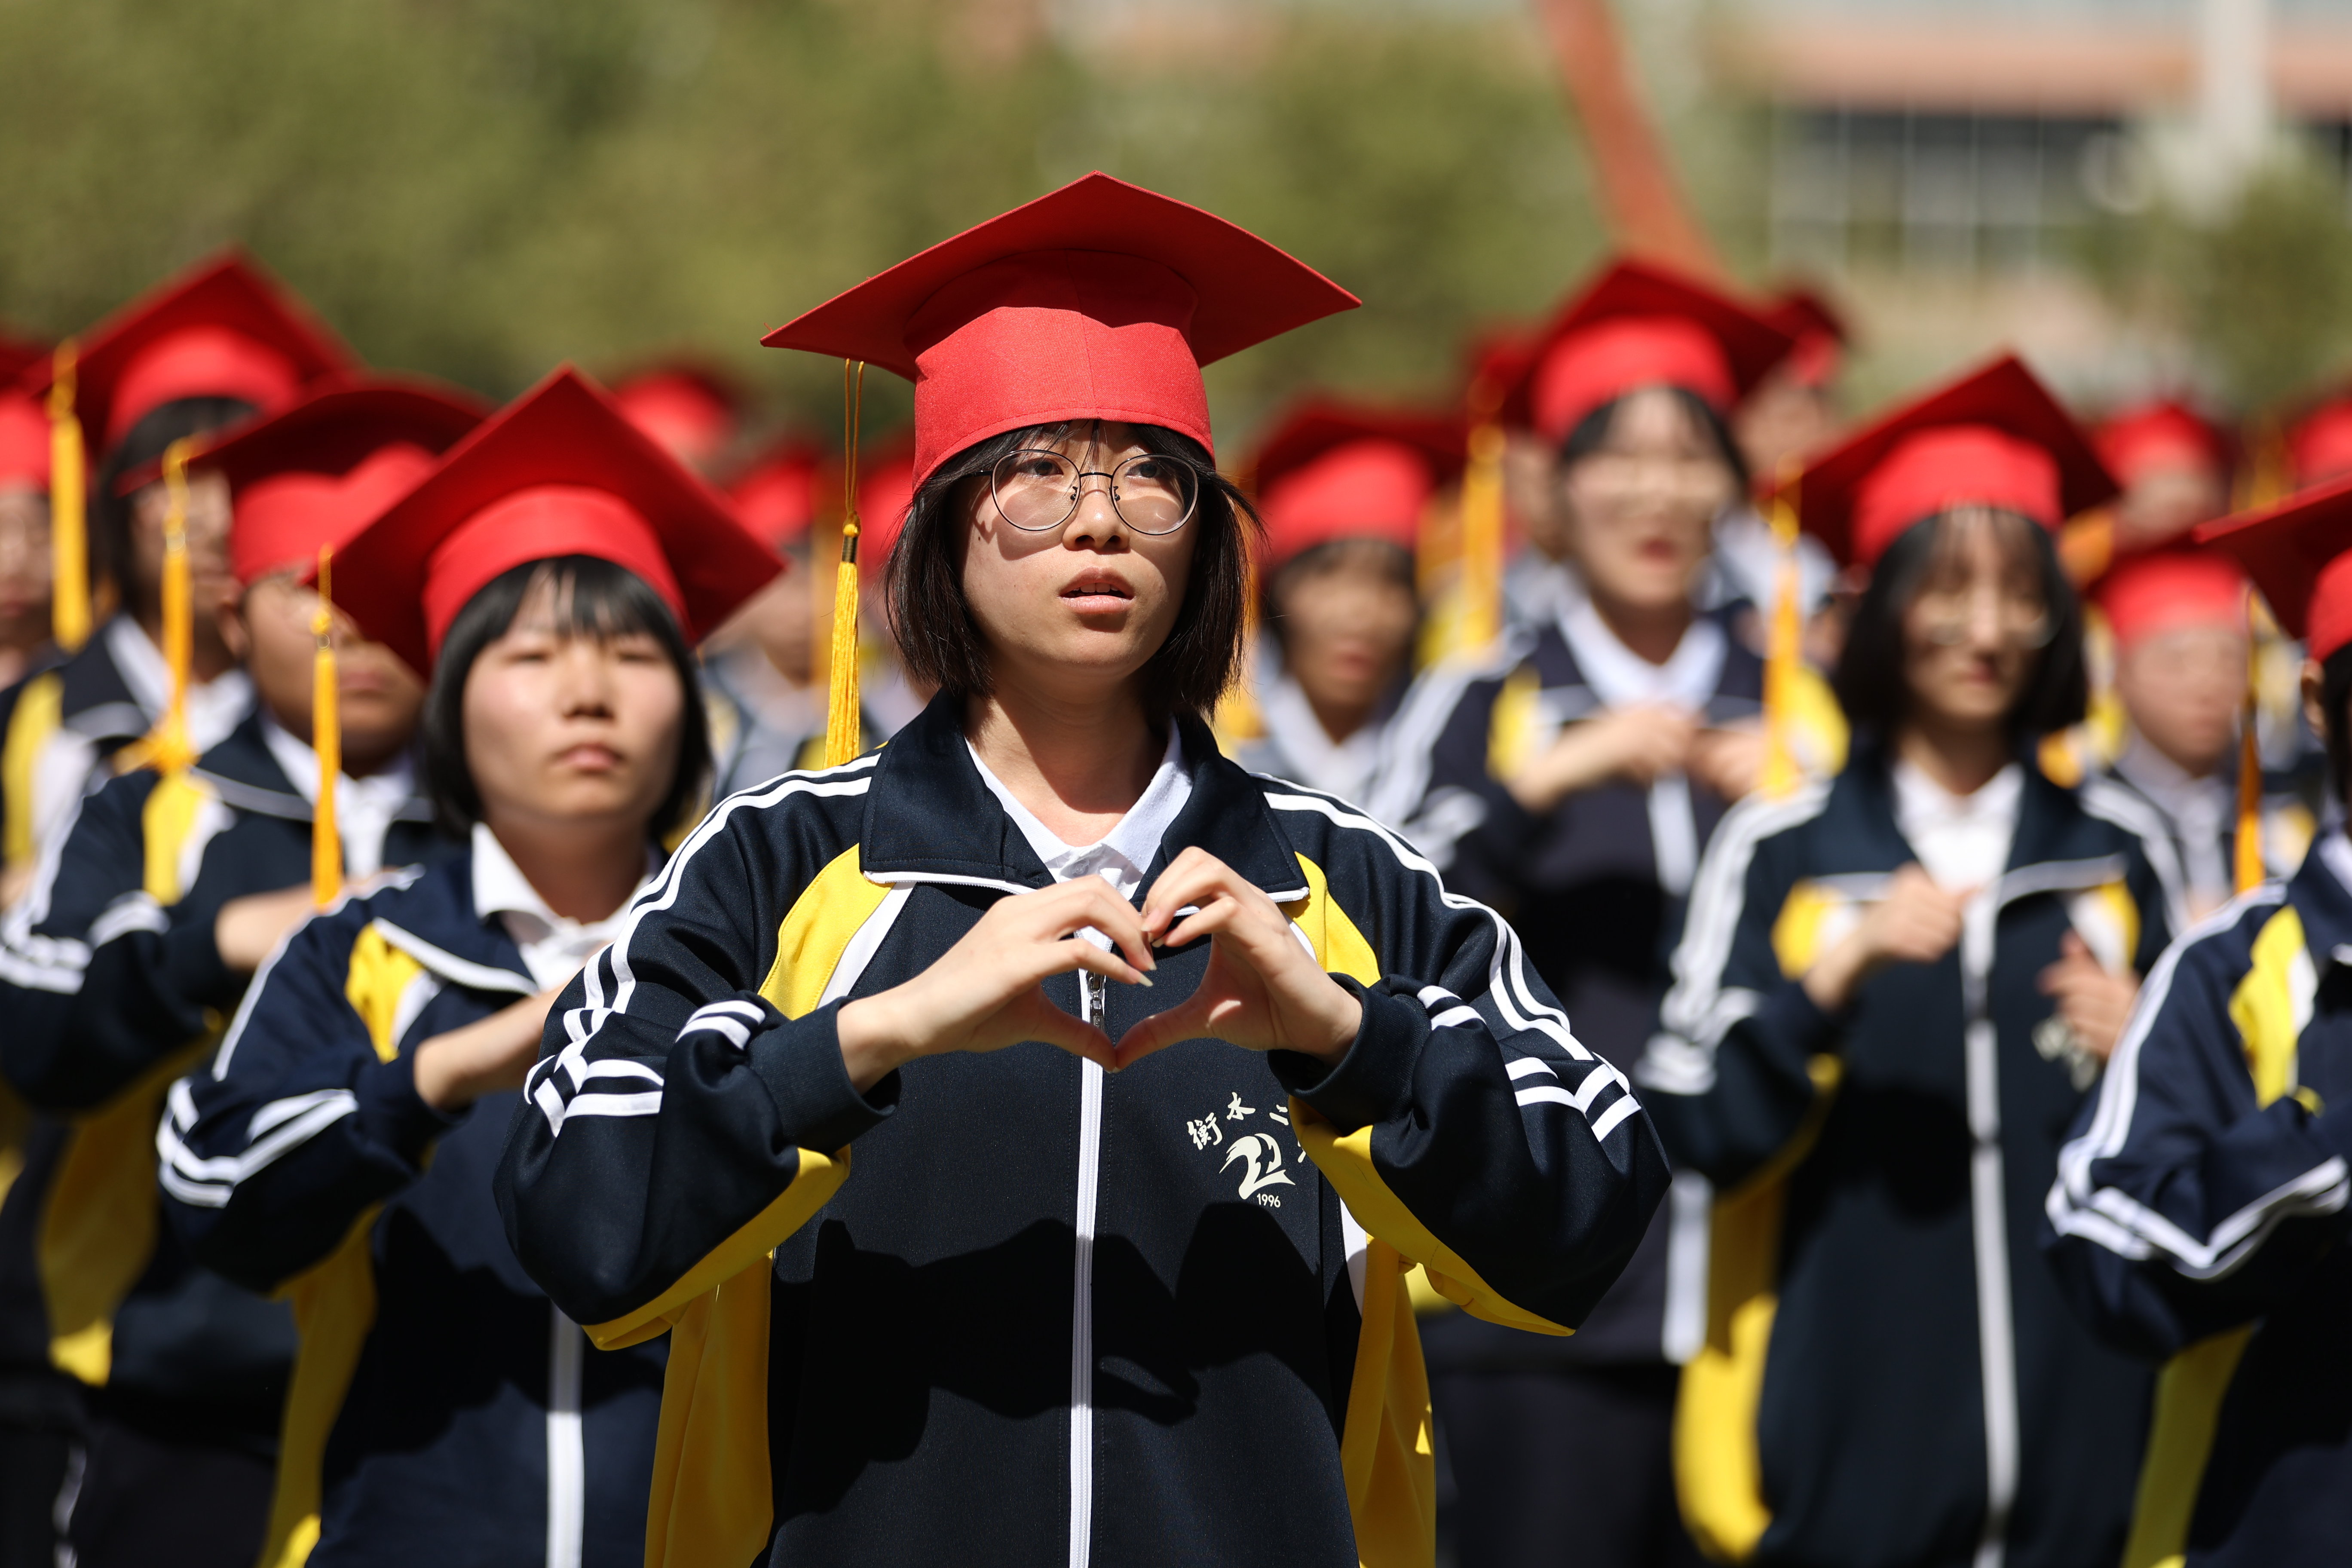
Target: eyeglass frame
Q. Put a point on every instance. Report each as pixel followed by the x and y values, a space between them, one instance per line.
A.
pixel 1110 490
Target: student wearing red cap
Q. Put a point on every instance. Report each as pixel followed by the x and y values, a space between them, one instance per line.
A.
pixel 1793 411
pixel 1086 1299
pixel 1341 491
pixel 694 410
pixel 547 578
pixel 1573 783
pixel 24 521
pixel 163 896
pixel 2199 1211
pixel 216 345
pixel 2319 446
pixel 1853 1049
pixel 2174 467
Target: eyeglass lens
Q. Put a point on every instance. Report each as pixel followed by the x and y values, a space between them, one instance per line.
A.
pixel 1036 490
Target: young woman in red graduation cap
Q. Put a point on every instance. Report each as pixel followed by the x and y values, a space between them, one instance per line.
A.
pixel 1022 1131
pixel 1572 780
pixel 1342 491
pixel 2199 1210
pixel 549 577
pixel 142 930
pixel 1890 989
pixel 24 569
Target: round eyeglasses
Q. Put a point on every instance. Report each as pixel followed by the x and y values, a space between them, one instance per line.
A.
pixel 1036 490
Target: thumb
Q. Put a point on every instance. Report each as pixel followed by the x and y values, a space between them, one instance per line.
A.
pixel 1048 1024
pixel 2072 946
pixel 1188 1020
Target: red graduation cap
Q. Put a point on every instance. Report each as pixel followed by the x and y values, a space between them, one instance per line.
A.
pixel 325 468
pixel 2164 433
pixel 23 441
pixel 18 356
pixel 2162 590
pixel 776 497
pixel 560 471
pixel 693 409
pixel 1639 325
pixel 1099 301
pixel 2319 447
pixel 2299 553
pixel 224 328
pixel 1334 470
pixel 1819 332
pixel 1993 437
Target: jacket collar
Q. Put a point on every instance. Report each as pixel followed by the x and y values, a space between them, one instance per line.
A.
pixel 2052 833
pixel 2321 891
pixel 433 920
pixel 242 770
pixel 929 816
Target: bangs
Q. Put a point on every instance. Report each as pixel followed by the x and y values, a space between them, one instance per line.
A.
pixel 581 596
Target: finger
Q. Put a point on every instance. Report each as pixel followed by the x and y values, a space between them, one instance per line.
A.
pixel 1087 902
pixel 2072 946
pixel 1084 954
pixel 1188 1020
pixel 1189 882
pixel 1048 1024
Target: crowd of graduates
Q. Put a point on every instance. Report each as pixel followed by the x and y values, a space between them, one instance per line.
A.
pixel 447 849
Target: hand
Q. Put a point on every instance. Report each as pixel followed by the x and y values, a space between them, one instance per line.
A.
pixel 2094 1003
pixel 983 994
pixel 1916 922
pixel 247 928
pixel 455 1069
pixel 1263 990
pixel 1730 761
pixel 1636 743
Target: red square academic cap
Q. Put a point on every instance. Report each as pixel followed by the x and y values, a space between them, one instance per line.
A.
pixel 560 471
pixel 2180 585
pixel 692 410
pixel 2299 553
pixel 18 356
pixel 776 496
pixel 1639 325
pixel 224 328
pixel 1100 300
pixel 2319 447
pixel 23 441
pixel 1994 437
pixel 325 468
pixel 1334 470
pixel 2163 434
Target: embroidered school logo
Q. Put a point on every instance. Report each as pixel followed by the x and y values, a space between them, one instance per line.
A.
pixel 1260 1153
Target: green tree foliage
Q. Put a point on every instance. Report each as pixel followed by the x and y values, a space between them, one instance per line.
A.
pixel 481 188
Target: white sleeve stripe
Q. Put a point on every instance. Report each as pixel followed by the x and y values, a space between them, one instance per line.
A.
pixel 737 1032
pixel 1527 1066
pixel 209 1182
pixel 1551 1094
pixel 1609 1118
pixel 1718 897
pixel 2111 1215
pixel 1455 1017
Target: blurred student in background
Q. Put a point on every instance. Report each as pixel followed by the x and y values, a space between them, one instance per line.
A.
pixel 24 443
pixel 1860 1049
pixel 1584 773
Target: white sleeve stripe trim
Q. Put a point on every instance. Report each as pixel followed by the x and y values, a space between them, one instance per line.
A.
pixel 1527 1066
pixel 1455 1017
pixel 1550 1094
pixel 209 1182
pixel 1609 1118
pixel 736 1032
pixel 2321 1190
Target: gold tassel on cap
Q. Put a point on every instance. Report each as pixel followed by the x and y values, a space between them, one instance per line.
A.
pixel 69 527
pixel 2247 851
pixel 1482 538
pixel 842 706
pixel 166 748
pixel 1784 648
pixel 327 740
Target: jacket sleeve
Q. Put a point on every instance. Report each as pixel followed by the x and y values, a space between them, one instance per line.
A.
pixel 679 1125
pixel 1728 1075
pixel 97 968
pixel 2183 1205
pixel 1465 1126
pixel 271 1152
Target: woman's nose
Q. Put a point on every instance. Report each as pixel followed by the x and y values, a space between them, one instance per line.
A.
pixel 1096 521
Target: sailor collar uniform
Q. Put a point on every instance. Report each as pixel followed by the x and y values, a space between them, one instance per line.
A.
pixel 2200 1212
pixel 1047 1288
pixel 301 1159
pixel 1889 1375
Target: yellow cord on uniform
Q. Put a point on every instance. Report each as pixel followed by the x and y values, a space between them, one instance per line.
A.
pixel 1482 538
pixel 1784 648
pixel 69 611
pixel 842 707
pixel 327 740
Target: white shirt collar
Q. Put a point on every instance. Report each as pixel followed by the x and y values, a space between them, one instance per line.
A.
pixel 553 946
pixel 216 707
pixel 1336 767
pixel 2189 800
pixel 1962 840
pixel 1620 676
pixel 364 807
pixel 1122 856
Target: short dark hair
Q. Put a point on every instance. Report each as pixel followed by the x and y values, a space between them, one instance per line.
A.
pixel 1394 560
pixel 595 597
pixel 941 644
pixel 1870 681
pixel 1591 432
pixel 145 443
pixel 2334 693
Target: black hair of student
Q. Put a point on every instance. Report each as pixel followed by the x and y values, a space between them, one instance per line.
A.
pixel 1394 560
pixel 2335 694
pixel 1591 432
pixel 145 443
pixel 1869 681
pixel 593 597
pixel 941 644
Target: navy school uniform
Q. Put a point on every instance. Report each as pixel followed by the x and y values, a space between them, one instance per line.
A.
pixel 1924 1397
pixel 2199 1214
pixel 442 1410
pixel 1054 1315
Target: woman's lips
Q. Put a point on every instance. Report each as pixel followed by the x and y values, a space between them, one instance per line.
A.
pixel 590 758
pixel 1097 591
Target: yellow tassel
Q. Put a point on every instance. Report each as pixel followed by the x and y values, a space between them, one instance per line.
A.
pixel 1482 538
pixel 842 707
pixel 1784 649
pixel 69 527
pixel 327 740
pixel 2249 870
pixel 166 748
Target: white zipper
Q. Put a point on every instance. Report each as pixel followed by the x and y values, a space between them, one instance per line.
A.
pixel 1091 988
pixel 567 1458
pixel 1989 1223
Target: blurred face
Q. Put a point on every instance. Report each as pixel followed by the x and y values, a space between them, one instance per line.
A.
pixel 377 698
pixel 1640 511
pixel 1347 617
pixel 1975 631
pixel 2164 502
pixel 1077 609
pixel 209 519
pixel 2182 689
pixel 778 620
pixel 24 565
pixel 564 729
pixel 1783 419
